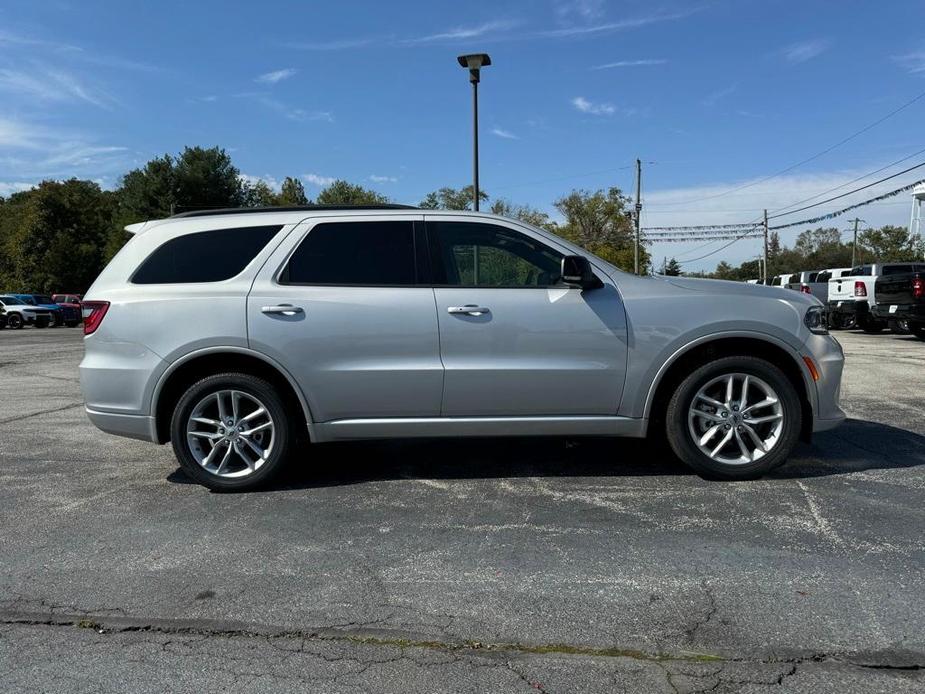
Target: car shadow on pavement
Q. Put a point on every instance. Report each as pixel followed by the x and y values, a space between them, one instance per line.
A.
pixel 855 446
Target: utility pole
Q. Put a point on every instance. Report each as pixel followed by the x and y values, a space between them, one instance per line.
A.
pixel 638 213
pixel 764 279
pixel 854 245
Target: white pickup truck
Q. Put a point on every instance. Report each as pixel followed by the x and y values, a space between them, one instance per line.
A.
pixel 815 282
pixel 851 297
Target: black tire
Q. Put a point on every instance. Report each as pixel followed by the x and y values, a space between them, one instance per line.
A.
pixel 14 321
pixel 72 323
pixel 284 433
pixel 41 322
pixel 872 326
pixel 681 439
pixel 898 327
pixel 918 329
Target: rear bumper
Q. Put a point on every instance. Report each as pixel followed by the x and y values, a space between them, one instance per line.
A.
pixel 915 312
pixel 129 425
pixel 848 307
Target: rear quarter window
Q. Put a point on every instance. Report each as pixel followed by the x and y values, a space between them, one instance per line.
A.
pixel 204 256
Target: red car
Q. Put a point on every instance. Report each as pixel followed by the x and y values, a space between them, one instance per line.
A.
pixel 69 301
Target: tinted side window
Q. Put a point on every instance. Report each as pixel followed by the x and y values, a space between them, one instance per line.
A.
pixel 205 256
pixel 486 255
pixel 823 277
pixel 861 271
pixel 898 269
pixel 361 253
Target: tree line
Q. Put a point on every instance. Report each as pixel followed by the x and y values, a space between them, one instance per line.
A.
pixel 822 248
pixel 58 235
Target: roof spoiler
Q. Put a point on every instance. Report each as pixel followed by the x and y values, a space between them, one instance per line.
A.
pixel 135 228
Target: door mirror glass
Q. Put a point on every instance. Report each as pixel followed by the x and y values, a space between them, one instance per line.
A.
pixel 577 272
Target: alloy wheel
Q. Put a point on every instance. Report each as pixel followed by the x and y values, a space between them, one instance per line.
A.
pixel 230 433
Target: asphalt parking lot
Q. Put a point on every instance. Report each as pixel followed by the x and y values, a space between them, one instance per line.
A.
pixel 503 566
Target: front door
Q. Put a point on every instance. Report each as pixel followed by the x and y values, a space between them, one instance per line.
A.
pixel 515 341
pixel 341 307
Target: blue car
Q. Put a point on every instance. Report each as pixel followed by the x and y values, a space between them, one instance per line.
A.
pixel 61 315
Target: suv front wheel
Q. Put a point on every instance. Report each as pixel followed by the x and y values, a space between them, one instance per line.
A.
pixel 734 418
pixel 230 432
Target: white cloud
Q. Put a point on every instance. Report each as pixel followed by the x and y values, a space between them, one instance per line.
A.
pixel 276 76
pixel 630 63
pixel 911 62
pixel 383 179
pixel 707 204
pixel 46 84
pixel 583 9
pixel 594 109
pixel 290 112
pixel 620 25
pixel 31 150
pixel 805 50
pixel 7 188
pixel 506 134
pixel 460 33
pixel 336 45
pixel 712 98
pixel 320 181
pixel 271 181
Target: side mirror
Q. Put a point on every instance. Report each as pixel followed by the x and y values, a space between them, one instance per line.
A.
pixel 577 272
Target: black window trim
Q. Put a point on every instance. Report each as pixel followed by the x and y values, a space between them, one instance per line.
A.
pixel 422 263
pixel 437 261
pixel 278 227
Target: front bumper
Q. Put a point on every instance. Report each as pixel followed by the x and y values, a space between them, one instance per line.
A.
pixel 829 358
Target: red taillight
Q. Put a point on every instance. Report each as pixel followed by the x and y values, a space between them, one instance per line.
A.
pixel 805 289
pixel 918 287
pixel 860 289
pixel 93 313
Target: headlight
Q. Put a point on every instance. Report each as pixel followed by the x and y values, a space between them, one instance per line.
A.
pixel 815 320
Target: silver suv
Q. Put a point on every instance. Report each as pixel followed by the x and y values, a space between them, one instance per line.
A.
pixel 239 335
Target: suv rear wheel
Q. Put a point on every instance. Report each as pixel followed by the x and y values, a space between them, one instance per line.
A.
pixel 231 432
pixel 735 418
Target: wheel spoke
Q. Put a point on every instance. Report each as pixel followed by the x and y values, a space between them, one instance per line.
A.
pixel 222 414
pixel 709 416
pixel 753 435
pixel 206 420
pixel 224 460
pixel 208 459
pixel 247 461
pixel 710 433
pixel 730 384
pixel 768 418
pixel 205 435
pixel 747 454
pixel 743 400
pixel 758 405
pixel 255 448
pixel 256 413
pixel 261 427
pixel 722 443
pixel 710 401
pixel 235 398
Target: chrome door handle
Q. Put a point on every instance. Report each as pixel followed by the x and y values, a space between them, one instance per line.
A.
pixel 283 310
pixel 467 310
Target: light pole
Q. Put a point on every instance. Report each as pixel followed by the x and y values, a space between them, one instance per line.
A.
pixel 475 62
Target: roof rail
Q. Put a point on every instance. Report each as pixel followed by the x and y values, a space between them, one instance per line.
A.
pixel 294 208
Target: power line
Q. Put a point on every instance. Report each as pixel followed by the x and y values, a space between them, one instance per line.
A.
pixel 850 192
pixel 808 159
pixel 842 211
pixel 848 183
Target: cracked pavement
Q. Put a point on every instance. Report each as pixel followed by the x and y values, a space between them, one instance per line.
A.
pixel 513 565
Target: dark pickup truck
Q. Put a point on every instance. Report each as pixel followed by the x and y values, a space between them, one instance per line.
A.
pixel 901 297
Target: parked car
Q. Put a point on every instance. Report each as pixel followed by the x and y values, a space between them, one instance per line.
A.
pixel 815 282
pixel 60 315
pixel 69 301
pixel 853 296
pixel 780 280
pixel 237 335
pixel 19 313
pixel 901 297
pixel 2 317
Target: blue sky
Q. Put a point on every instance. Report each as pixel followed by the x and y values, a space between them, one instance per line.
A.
pixel 710 95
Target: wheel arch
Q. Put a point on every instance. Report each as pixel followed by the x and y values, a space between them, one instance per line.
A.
pixel 710 348
pixel 197 365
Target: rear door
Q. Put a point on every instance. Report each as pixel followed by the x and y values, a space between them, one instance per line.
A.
pixel 515 341
pixel 342 305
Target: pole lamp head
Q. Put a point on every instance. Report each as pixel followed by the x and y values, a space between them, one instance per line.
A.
pixel 474 62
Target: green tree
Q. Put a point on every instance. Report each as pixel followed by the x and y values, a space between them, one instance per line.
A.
pixel 672 268
pixel 259 194
pixel 206 179
pixel 53 236
pixel 292 193
pixel 523 213
pixel 451 199
pixel 890 244
pixel 344 193
pixel 600 222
